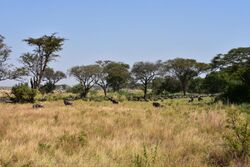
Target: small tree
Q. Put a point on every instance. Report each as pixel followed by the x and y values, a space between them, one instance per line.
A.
pixel 145 72
pixel 87 76
pixel 184 70
pixel 37 62
pixel 103 76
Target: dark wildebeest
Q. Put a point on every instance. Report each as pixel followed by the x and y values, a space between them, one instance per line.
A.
pixel 113 100
pixel 157 105
pixel 67 102
pixel 37 106
pixel 200 98
pixel 191 99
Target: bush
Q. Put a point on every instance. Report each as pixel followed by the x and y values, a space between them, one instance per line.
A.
pixel 47 88
pixel 237 137
pixel 236 93
pixel 23 93
pixel 77 89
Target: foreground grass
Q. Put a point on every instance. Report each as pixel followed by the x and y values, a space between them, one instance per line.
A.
pixel 103 134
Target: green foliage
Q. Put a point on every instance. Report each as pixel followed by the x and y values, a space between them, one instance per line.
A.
pixel 163 86
pixel 237 137
pixel 147 158
pixel 52 76
pixel 236 93
pixel 87 76
pixel 45 51
pixel 76 89
pixel 144 73
pixel 23 93
pixel 118 75
pixel 196 85
pixel 185 70
pixel 236 64
pixel 215 82
pixel 47 88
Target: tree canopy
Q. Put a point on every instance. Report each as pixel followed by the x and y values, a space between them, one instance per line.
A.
pixel 184 70
pixel 44 52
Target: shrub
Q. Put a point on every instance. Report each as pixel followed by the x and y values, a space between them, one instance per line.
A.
pixel 76 89
pixel 236 93
pixel 23 93
pixel 47 88
pixel 237 138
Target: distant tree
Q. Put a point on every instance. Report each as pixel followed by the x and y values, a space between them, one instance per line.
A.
pixel 165 85
pixel 87 77
pixel 53 76
pixel 215 82
pixel 145 72
pixel 37 62
pixel 118 75
pixel 4 54
pixel 236 64
pixel 185 69
pixel 196 85
pixel 6 70
pixel 103 75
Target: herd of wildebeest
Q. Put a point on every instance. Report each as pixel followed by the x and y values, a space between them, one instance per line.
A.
pixel 156 101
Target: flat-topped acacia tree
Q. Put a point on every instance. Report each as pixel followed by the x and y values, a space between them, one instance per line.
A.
pixel 36 62
pixel 145 72
pixel 87 76
pixel 185 70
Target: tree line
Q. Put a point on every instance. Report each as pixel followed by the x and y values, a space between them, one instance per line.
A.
pixel 227 74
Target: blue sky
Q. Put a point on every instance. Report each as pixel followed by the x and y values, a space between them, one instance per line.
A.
pixel 127 30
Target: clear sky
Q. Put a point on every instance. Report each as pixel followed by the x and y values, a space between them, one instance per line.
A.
pixel 127 30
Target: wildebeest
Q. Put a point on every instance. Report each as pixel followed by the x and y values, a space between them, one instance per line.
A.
pixel 67 102
pixel 200 98
pixel 113 100
pixel 157 105
pixel 191 99
pixel 37 106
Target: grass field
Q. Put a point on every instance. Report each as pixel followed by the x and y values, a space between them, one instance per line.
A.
pixel 105 135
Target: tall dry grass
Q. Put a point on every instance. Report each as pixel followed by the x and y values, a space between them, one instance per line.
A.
pixel 106 135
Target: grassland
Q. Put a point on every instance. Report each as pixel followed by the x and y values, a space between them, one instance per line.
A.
pixel 105 135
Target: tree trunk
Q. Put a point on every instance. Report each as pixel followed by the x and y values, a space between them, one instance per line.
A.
pixel 145 91
pixel 105 91
pixel 184 88
pixel 84 93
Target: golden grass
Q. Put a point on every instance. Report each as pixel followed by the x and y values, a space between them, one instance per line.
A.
pixel 106 135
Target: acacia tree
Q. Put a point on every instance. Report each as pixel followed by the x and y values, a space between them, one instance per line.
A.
pixel 45 51
pixel 52 76
pixel 4 54
pixel 6 70
pixel 87 76
pixel 118 75
pixel 185 70
pixel 103 76
pixel 145 72
pixel 235 65
pixel 236 62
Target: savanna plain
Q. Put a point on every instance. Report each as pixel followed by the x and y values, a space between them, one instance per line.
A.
pixel 102 134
